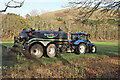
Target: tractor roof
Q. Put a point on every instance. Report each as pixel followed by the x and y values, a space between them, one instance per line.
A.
pixel 78 33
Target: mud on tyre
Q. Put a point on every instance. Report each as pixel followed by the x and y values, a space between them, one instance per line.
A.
pixel 36 51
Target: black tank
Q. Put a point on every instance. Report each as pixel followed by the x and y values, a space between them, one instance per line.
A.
pixel 50 34
pixel 43 34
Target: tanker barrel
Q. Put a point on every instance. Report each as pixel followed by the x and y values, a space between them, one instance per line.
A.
pixel 51 34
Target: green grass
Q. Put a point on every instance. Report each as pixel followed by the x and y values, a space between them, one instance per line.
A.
pixel 63 63
pixel 103 49
pixel 8 44
pixel 107 48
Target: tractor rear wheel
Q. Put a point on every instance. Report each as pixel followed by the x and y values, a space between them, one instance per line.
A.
pixel 36 51
pixel 51 50
pixel 82 48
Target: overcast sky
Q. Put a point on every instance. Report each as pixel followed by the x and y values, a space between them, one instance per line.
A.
pixel 29 5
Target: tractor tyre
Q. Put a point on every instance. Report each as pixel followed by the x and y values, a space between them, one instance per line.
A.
pixel 36 51
pixel 51 50
pixel 93 49
pixel 82 48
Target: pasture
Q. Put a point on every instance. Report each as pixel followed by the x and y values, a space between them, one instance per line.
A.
pixel 103 64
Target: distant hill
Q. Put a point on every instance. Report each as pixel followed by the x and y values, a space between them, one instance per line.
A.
pixel 75 12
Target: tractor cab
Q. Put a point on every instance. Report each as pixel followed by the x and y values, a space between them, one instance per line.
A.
pixel 79 37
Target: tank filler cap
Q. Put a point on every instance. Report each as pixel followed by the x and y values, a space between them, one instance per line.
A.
pixel 60 29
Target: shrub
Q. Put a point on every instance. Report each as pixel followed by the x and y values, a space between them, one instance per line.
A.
pixel 59 18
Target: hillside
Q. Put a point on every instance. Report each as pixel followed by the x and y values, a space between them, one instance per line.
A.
pixel 100 26
pixel 75 12
pixel 12 24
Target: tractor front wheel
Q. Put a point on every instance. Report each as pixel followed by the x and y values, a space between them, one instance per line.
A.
pixel 94 49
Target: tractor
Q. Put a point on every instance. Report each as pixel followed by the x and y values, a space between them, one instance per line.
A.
pixel 80 44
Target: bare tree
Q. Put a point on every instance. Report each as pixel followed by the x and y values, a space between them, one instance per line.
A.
pixel 9 4
pixel 34 12
pixel 111 6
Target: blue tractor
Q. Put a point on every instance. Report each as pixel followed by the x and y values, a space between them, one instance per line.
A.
pixel 80 44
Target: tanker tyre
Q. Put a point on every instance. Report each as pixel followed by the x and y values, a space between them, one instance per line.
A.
pixel 51 50
pixel 36 51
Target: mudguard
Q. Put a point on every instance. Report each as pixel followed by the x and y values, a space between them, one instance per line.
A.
pixel 78 42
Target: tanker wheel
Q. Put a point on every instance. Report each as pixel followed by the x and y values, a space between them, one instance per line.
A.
pixel 93 49
pixel 82 48
pixel 36 51
pixel 51 50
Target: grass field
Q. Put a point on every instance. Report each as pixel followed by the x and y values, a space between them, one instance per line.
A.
pixel 103 64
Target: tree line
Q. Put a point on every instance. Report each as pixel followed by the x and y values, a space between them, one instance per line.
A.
pixel 101 29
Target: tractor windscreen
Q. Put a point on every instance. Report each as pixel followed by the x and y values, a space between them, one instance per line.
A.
pixel 79 37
